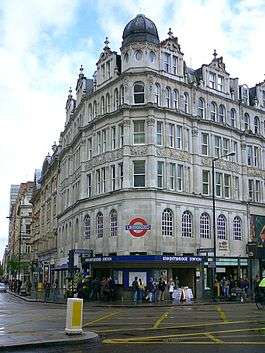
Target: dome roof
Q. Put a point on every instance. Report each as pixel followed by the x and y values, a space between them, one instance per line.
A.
pixel 140 29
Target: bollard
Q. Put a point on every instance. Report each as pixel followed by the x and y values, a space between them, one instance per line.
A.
pixel 74 316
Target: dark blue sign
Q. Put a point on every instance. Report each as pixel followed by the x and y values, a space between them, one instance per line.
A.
pixel 146 259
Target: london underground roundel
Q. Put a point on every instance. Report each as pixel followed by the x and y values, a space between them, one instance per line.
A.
pixel 138 227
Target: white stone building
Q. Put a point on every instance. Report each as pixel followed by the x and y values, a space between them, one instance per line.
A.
pixel 138 143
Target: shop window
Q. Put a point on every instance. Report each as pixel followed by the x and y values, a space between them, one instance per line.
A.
pixel 167 222
pixel 205 226
pixel 100 225
pixel 221 227
pixel 186 224
pixel 87 227
pixel 113 223
pixel 237 228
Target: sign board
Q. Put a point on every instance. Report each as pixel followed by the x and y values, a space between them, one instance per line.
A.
pixel 223 245
pixel 138 227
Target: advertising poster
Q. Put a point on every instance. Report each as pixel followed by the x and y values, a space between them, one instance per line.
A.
pixel 257 229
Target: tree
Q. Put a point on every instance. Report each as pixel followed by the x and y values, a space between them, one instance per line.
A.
pixel 13 265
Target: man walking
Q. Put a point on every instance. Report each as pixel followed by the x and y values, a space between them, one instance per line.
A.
pixel 135 288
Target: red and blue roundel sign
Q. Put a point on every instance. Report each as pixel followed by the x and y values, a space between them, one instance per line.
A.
pixel 138 227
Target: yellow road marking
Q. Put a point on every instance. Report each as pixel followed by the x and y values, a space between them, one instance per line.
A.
pixel 222 314
pixel 162 318
pixel 183 326
pixel 191 343
pixel 213 338
pixel 158 338
pixel 100 319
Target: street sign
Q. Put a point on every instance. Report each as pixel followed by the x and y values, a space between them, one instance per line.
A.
pixel 205 250
pixel 138 227
pixel 211 264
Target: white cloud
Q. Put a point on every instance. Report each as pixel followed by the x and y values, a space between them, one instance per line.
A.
pixel 35 75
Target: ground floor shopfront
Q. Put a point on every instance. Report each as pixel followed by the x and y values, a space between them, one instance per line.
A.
pixel 185 271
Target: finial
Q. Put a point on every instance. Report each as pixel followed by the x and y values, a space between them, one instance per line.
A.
pixel 170 33
pixel 81 70
pixel 214 54
pixel 70 91
pixel 106 43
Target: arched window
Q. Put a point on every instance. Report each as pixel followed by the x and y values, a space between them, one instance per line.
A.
pixel 100 225
pixel 237 228
pixel 138 92
pixel 152 56
pixel 138 55
pixel 168 97
pixel 157 94
pixel 205 226
pixel 102 105
pixel 126 57
pixel 116 99
pixel 167 222
pixel 108 102
pixel 256 125
pixel 213 111
pixel 201 108
pixel 233 117
pixel 122 94
pixel 113 223
pixel 95 109
pixel 186 102
pixel 221 114
pixel 87 227
pixel 246 121
pixel 186 224
pixel 90 112
pixel 221 227
pixel 176 99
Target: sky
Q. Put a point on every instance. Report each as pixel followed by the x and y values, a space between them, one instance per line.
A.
pixel 43 44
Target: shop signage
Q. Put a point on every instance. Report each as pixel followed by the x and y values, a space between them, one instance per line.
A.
pixel 223 245
pixel 145 259
pixel 138 227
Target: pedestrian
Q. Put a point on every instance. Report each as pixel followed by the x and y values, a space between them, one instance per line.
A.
pixel 225 287
pixel 135 288
pixel 161 290
pixel 79 289
pixel 171 287
pixel 141 290
pixel 19 284
pixel 28 286
pixel 150 290
pixel 55 289
pixel 47 289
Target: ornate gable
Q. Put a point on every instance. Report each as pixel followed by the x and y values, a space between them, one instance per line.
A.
pixel 171 43
pixel 107 52
pixel 218 64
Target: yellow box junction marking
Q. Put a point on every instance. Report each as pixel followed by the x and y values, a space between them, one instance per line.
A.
pixel 76 313
pixel 213 338
pixel 100 319
pixel 166 338
pixel 162 318
pixel 222 314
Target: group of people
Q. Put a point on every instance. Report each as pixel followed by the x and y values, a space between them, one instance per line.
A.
pixel 97 289
pixel 159 291
pixel 228 287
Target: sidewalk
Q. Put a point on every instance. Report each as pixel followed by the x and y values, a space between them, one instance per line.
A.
pixel 130 304
pixel 29 340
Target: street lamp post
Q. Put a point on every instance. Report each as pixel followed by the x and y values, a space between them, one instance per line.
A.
pixel 214 224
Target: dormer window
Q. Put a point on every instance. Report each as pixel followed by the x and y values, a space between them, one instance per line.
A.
pixel 244 95
pixel 138 55
pixel 220 83
pixel 167 62
pixel 175 65
pixel 263 99
pixel 212 80
pixel 246 121
pixel 108 69
pixel 138 92
pixel 152 56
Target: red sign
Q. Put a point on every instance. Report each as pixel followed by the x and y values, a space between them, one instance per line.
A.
pixel 138 227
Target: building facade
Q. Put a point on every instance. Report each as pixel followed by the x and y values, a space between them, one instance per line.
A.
pixel 134 183
pixel 44 220
pixel 19 247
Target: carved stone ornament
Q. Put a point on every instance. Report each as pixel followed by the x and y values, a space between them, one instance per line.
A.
pixel 151 122
pixel 195 131
pixel 107 157
pixel 256 172
pixel 174 154
pixel 138 150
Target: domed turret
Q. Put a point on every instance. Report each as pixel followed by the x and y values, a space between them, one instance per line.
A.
pixel 140 29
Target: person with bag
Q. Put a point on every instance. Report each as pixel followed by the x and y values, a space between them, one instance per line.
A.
pixel 141 290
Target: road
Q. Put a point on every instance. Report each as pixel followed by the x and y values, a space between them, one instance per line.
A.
pixel 186 329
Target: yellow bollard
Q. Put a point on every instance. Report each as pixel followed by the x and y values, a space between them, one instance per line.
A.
pixel 74 316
